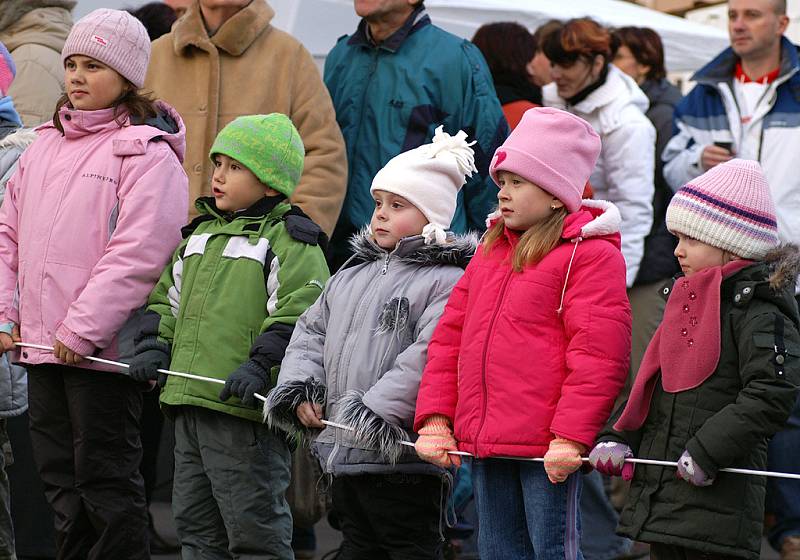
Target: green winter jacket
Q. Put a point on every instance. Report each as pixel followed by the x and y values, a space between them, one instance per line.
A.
pixel 233 291
pixel 724 422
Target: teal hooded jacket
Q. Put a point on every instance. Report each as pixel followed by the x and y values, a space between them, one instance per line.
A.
pixel 391 97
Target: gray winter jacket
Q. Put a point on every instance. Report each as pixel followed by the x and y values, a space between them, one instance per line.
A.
pixel 13 379
pixel 359 351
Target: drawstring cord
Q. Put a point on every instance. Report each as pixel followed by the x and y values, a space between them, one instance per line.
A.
pixel 569 269
pixel 263 399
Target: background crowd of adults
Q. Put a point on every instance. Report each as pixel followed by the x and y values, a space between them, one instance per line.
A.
pixel 383 93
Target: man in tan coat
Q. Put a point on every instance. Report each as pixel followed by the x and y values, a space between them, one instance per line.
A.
pixel 223 59
pixel 34 32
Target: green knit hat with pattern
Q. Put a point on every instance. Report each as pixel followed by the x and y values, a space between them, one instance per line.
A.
pixel 267 145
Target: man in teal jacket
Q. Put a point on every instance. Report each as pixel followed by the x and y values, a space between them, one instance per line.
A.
pixel 393 82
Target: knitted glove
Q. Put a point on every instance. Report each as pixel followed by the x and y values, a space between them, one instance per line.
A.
pixel 250 378
pixel 608 457
pixel 691 472
pixel 562 459
pixel 146 362
pixel 435 440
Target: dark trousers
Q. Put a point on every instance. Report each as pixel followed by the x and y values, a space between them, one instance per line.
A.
pixel 670 552
pixel 85 434
pixel 388 516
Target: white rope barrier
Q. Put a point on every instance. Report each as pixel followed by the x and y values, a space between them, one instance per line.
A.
pixel 262 398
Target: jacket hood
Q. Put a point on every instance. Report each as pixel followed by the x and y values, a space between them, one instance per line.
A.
pixel 722 67
pixel 235 35
pixel 41 22
pixel 596 218
pixel 132 139
pixel 456 251
pixel 661 92
pixel 783 264
pixel 619 89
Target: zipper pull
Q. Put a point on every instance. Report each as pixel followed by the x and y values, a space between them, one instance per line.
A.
pixel 385 265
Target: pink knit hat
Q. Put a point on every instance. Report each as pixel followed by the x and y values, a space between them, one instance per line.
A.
pixel 113 37
pixel 7 70
pixel 553 149
pixel 729 207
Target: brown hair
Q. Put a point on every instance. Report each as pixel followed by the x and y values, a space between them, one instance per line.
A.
pixel 534 244
pixel 578 38
pixel 138 103
pixel 645 46
pixel 543 31
pixel 507 47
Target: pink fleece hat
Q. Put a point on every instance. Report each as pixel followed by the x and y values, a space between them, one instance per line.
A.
pixel 113 37
pixel 7 70
pixel 553 149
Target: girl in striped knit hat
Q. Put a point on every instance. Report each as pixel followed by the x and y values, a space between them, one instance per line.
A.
pixel 718 379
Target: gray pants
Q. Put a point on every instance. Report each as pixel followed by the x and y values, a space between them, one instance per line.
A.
pixel 228 496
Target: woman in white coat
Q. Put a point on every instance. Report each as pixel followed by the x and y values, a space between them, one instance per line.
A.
pixel 587 84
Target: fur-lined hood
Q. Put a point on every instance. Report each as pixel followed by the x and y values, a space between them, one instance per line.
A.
pixel 456 251
pixel 783 264
pixel 50 28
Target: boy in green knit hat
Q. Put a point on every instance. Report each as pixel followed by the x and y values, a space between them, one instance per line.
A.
pixel 225 307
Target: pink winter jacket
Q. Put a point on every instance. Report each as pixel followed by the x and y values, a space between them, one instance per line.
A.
pixel 88 223
pixel 511 370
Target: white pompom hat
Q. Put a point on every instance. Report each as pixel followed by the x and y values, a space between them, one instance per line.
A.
pixel 429 177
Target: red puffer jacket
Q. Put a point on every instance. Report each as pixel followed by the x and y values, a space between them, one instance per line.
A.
pixel 519 358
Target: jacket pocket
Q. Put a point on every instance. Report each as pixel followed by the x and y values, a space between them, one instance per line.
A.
pixel 533 297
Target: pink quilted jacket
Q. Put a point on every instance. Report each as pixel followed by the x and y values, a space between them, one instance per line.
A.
pixel 519 358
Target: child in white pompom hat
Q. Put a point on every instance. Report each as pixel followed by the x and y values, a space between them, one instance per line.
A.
pixel 357 355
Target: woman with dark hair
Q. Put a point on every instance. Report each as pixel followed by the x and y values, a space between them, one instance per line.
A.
pixel 509 50
pixel 587 84
pixel 157 18
pixel 639 53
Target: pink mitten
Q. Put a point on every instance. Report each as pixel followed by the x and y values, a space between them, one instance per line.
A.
pixel 608 457
pixel 562 459
pixel 435 440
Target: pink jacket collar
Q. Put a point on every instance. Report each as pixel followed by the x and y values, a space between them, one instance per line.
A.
pixel 130 140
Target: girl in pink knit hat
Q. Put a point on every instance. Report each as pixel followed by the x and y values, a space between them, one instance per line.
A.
pixel 718 379
pixel 90 217
pixel 533 345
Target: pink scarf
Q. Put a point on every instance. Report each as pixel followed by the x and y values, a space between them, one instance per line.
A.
pixel 686 346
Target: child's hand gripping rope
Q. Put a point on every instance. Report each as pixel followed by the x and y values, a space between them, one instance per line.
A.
pixel 452 452
pixel 436 441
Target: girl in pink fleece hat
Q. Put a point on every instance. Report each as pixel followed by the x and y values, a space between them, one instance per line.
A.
pixel 90 216
pixel 533 346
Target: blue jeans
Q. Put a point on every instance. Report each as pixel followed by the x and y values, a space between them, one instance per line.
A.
pixel 522 515
pixel 783 496
pixel 600 541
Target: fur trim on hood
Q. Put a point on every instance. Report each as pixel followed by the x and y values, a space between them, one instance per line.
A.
pixel 280 409
pixel 456 251
pixel 370 430
pixel 784 266
pixel 13 10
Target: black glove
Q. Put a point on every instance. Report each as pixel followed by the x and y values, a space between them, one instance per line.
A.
pixel 248 379
pixel 150 356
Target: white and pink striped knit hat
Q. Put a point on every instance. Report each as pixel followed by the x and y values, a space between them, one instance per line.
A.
pixel 728 207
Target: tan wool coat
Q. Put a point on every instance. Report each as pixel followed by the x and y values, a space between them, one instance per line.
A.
pixel 249 67
pixel 34 32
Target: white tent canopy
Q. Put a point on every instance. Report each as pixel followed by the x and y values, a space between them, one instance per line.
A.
pixel 688 45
